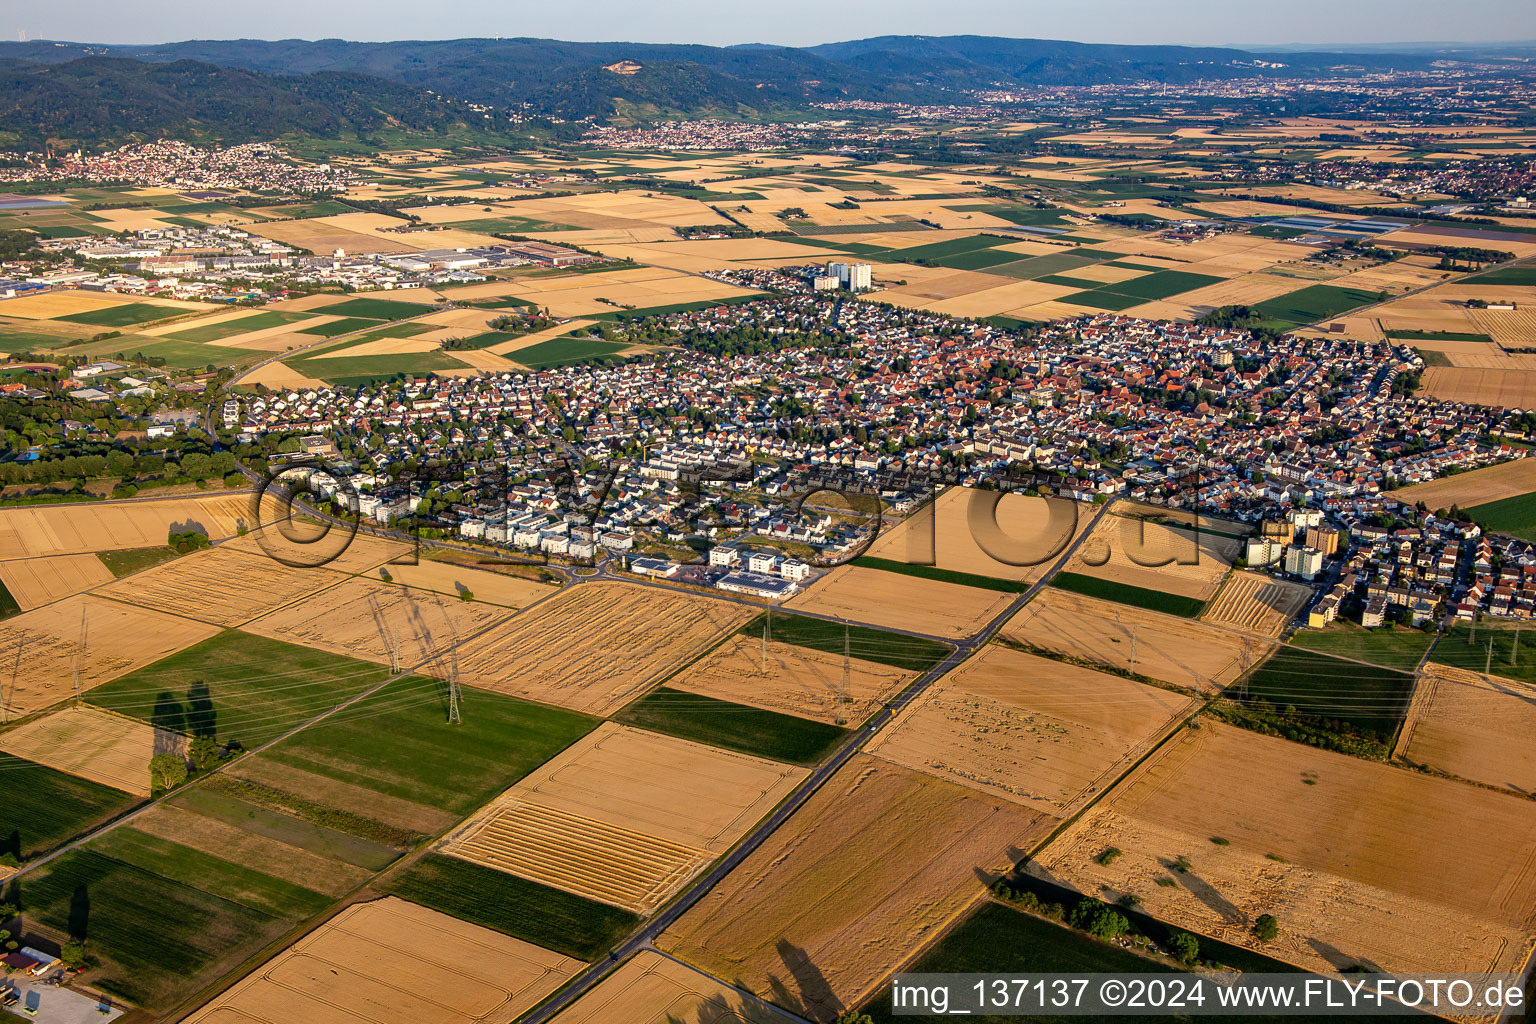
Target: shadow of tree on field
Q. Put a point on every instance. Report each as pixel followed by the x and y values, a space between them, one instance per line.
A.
pixel 815 998
pixel 1206 893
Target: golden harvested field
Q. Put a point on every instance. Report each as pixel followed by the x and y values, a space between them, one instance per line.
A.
pixel 624 816
pixel 1509 389
pixel 1120 544
pixel 93 744
pixel 225 586
pixel 596 646
pixel 798 680
pixel 305 543
pixel 354 232
pixel 896 601
pixel 1361 862
pixel 712 254
pixel 1515 328
pixel 875 864
pixel 40 649
pixel 1491 483
pixel 372 620
pixel 38 581
pixel 279 376
pixel 1038 731
pixel 1478 355
pixel 393 962
pixel 1473 726
pixel 453 580
pixel 1173 649
pixel 236 845
pixel 1029 532
pixel 1255 603
pixel 68 303
pixel 27 532
pixel 652 989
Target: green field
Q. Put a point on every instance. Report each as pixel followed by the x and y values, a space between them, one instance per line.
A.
pixel 932 572
pixel 1124 593
pixel 43 807
pixel 282 827
pixel 346 325
pixel 256 890
pixel 1098 298
pixel 1437 336
pixel 130 560
pixel 160 941
pixel 8 605
pixel 1515 515
pixel 565 352
pixel 720 723
pixel 1390 647
pixel 125 315
pixel 939 250
pixel 376 309
pixel 1459 648
pixel 978 259
pixel 1036 267
pixel 552 918
pixel 1523 277
pixel 242 325
pixel 1315 302
pixel 398 742
pixel 1364 698
pixel 360 370
pixel 257 688
pixel 912 653
pixel 31 341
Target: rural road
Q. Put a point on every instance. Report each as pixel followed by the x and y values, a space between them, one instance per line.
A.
pixel 643 939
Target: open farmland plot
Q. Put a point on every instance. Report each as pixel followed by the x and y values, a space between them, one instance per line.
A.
pixel 624 816
pixel 1363 698
pixel 791 679
pixel 396 746
pixel 455 581
pixel 652 989
pixel 902 602
pixel 1507 389
pixel 1473 726
pixel 127 315
pixel 1477 487
pixel 552 918
pixel 1515 516
pixel 106 526
pixel 1129 551
pixel 740 727
pixel 1172 649
pixel 595 646
pixel 237 686
pixel 107 749
pixel 1027 534
pixel 1315 302
pixel 1351 856
pixel 1396 647
pixel 860 877
pixel 1038 731
pixel 1257 604
pixel 39 581
pixel 393 962
pixel 225 586
pixel 43 806
pixel 101 640
pixel 197 936
pixel 376 621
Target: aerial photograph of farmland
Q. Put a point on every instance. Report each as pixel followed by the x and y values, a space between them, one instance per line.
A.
pixel 524 513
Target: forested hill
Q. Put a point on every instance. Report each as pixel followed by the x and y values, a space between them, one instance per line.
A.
pixel 106 98
pixel 250 88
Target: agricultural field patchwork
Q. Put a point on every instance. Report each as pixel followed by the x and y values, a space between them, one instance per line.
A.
pixel 1290 836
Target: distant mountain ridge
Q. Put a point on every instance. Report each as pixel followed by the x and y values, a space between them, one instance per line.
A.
pixel 411 82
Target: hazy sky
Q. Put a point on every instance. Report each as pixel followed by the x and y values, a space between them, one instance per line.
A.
pixel 789 22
